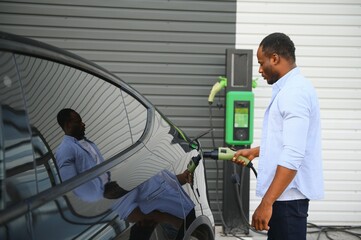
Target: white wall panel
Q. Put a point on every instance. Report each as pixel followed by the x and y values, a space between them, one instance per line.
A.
pixel 327 36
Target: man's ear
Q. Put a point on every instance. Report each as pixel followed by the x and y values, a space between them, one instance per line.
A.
pixel 275 58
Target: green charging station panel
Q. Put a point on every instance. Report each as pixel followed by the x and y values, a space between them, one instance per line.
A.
pixel 239 117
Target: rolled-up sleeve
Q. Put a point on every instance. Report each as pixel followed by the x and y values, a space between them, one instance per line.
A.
pixel 295 110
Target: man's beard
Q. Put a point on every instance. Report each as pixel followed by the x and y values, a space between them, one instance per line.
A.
pixel 272 77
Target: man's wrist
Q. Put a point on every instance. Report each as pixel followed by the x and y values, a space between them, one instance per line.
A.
pixel 267 201
pixel 255 151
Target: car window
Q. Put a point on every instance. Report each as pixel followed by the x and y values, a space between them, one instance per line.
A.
pixel 50 86
pixel 17 174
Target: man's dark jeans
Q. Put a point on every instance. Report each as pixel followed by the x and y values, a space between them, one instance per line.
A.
pixel 289 220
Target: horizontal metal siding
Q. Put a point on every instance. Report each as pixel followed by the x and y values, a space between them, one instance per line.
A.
pixel 328 50
pixel 171 51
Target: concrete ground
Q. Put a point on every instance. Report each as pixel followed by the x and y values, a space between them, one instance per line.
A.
pixel 252 236
pixel 313 233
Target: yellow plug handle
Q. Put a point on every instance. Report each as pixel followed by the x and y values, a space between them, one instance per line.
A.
pixel 218 86
pixel 225 153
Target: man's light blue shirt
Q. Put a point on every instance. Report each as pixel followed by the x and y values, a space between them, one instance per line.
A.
pixel 291 137
pixel 162 192
pixel 72 159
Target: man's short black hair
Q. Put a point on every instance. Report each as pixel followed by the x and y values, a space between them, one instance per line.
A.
pixel 280 44
pixel 64 116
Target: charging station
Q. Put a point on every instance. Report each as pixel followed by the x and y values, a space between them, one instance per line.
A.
pixel 239 112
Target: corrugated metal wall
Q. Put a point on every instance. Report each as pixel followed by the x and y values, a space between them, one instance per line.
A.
pixel 171 51
pixel 328 50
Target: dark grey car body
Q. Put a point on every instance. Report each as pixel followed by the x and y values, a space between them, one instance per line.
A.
pixel 136 140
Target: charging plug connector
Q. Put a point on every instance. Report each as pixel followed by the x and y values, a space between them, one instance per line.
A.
pixel 225 153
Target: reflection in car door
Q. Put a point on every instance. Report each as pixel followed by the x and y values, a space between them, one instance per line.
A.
pixel 137 142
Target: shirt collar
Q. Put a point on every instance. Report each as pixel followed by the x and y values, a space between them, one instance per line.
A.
pixel 73 139
pixel 283 80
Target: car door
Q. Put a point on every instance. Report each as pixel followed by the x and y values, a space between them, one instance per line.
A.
pixel 143 151
pixel 48 87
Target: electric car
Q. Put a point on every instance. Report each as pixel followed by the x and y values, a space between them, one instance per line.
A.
pixel 136 140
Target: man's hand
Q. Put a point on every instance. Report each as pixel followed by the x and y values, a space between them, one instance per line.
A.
pixel 185 177
pixel 248 153
pixel 113 191
pixel 262 216
pixel 263 213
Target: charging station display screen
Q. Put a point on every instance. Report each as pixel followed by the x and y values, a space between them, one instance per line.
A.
pixel 241 117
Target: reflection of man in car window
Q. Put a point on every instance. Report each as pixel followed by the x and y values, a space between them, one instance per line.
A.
pixel 77 154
